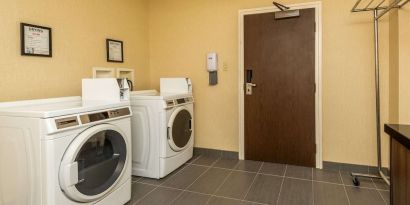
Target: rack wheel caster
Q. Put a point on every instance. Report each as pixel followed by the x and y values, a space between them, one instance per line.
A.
pixel 356 181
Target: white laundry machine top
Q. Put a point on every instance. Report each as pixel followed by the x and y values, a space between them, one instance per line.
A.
pixel 48 108
pixel 155 95
pixel 170 99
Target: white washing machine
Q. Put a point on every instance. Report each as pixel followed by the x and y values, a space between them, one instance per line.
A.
pixel 65 152
pixel 162 130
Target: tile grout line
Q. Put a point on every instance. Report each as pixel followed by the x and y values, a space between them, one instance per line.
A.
pixel 195 159
pixel 385 202
pixel 334 170
pixel 380 194
pixel 253 202
pixel 234 169
pixel 134 181
pixel 313 188
pixel 186 188
pixel 374 184
pixel 195 192
pixel 369 188
pixel 204 193
pixel 266 174
pixel 344 187
pixel 281 185
pixel 362 187
pixel 136 202
pixel 253 181
pixel 324 182
pixel 156 187
pixel 223 182
pixel 376 187
pixel 251 172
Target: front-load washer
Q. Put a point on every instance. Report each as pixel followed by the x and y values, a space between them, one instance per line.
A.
pixel 64 151
pixel 162 130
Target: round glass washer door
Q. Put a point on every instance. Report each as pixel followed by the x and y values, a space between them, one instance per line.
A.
pixel 179 129
pixel 93 163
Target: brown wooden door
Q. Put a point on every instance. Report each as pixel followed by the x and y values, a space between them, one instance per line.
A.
pixel 280 113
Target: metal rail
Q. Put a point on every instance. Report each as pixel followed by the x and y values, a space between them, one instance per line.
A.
pixel 395 4
pixel 380 174
pixel 379 10
pixel 371 6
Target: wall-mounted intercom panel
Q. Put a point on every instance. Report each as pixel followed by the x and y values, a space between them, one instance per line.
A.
pixel 212 67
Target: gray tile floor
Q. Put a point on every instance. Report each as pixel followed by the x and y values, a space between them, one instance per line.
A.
pixel 206 180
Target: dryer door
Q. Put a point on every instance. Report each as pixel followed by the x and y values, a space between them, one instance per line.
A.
pixel 93 163
pixel 179 131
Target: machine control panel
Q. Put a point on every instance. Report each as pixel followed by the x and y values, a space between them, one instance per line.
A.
pixel 179 101
pixel 119 112
pixel 170 103
pixel 185 100
pixel 189 100
pixel 77 120
pixel 98 116
pixel 66 122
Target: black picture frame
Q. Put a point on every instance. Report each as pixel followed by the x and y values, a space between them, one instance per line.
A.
pixel 23 43
pixel 108 51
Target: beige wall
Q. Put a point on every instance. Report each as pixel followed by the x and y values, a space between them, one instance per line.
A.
pixel 394 67
pixel 399 98
pixel 404 64
pixel 400 66
pixel 171 38
pixel 79 32
pixel 182 32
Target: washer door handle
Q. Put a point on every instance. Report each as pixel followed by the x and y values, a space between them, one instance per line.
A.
pixel 168 134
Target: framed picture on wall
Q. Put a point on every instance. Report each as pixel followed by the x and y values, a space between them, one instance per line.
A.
pixel 35 40
pixel 115 51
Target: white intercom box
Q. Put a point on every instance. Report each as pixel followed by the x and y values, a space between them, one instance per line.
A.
pixel 212 62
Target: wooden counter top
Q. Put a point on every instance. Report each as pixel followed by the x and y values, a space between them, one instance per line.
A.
pixel 401 133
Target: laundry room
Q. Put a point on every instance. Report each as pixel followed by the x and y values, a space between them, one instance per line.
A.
pixel 204 102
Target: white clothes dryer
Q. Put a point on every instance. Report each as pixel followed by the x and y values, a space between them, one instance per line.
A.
pixel 66 152
pixel 162 131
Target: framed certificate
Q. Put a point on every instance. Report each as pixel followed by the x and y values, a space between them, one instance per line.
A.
pixel 35 40
pixel 115 51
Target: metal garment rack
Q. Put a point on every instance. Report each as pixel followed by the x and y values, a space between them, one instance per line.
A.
pixel 379 9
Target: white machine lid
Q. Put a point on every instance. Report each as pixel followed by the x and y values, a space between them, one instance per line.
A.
pixel 47 108
pixel 155 95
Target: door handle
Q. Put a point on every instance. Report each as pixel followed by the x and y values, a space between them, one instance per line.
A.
pixel 249 87
pixel 168 128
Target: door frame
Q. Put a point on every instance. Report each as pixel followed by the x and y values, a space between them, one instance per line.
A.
pixel 318 74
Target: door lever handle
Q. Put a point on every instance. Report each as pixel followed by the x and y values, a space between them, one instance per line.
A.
pixel 248 88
